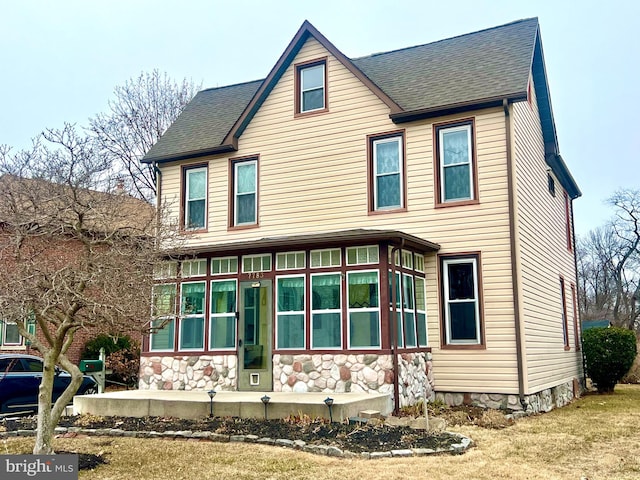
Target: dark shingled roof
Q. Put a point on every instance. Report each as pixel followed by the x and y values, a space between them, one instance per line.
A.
pixel 472 71
pixel 204 122
pixel 489 64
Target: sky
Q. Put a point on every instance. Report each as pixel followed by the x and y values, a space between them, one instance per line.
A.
pixel 60 61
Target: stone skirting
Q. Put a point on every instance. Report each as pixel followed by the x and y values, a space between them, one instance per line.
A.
pixel 367 373
pixel 203 372
pixel 543 401
pixel 331 373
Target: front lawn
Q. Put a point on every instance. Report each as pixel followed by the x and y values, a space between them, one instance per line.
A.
pixel 596 437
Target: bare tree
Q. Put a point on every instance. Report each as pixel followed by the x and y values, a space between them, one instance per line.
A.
pixel 609 265
pixel 74 254
pixel 142 110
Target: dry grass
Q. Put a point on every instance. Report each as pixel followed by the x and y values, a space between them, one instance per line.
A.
pixel 597 437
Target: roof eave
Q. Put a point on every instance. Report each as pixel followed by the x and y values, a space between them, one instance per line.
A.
pixel 226 148
pixel 459 107
pixel 324 239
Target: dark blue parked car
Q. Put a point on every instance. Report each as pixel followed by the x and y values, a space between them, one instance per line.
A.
pixel 20 377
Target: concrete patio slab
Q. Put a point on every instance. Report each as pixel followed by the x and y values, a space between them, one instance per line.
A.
pixel 196 404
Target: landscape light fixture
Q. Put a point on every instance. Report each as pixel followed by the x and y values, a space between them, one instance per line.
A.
pixel 212 393
pixel 265 400
pixel 329 403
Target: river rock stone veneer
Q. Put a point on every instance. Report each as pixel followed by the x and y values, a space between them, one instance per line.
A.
pixel 543 401
pixel 331 373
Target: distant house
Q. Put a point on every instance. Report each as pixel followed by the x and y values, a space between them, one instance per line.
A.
pixel 52 249
pixel 587 324
pixel 398 223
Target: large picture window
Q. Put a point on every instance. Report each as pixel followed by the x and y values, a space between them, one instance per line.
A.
pixel 364 309
pixel 192 302
pixel 455 163
pixel 245 192
pixel 461 303
pixel 326 311
pixel 222 322
pixel 387 167
pixel 195 198
pixel 290 332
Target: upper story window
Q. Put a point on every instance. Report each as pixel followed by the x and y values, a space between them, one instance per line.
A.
pixel 455 163
pixel 311 91
pixel 387 167
pixel 567 215
pixel 195 198
pixel 245 192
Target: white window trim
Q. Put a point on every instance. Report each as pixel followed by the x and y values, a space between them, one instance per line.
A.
pixel 279 254
pixel 329 310
pixel 369 309
pixel 198 261
pixel 173 340
pixel 4 342
pixel 303 91
pixel 292 312
pixel 252 257
pixel 188 172
pixel 407 277
pixel 223 315
pixel 236 166
pixel 441 133
pixel 398 140
pixel 375 262
pixel 228 260
pixel 339 264
pixel 418 311
pixel 447 302
pixel 202 315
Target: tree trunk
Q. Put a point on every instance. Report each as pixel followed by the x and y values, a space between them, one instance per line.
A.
pixel 48 415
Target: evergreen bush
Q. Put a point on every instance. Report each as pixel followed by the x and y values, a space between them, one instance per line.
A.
pixel 609 354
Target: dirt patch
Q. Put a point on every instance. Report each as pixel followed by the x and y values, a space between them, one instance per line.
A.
pixel 87 461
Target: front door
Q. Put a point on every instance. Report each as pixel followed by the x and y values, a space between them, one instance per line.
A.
pixel 255 364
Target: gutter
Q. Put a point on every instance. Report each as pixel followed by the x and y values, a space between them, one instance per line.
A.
pixel 513 246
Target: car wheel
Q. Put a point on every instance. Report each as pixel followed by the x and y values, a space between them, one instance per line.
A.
pixel 91 391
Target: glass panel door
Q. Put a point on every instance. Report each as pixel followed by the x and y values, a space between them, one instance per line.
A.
pixel 255 334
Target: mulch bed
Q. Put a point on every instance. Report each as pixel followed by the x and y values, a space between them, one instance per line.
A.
pixel 356 438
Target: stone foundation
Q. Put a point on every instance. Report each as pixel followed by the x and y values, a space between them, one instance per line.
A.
pixel 330 373
pixel 416 378
pixel 204 372
pixel 369 373
pixel 543 401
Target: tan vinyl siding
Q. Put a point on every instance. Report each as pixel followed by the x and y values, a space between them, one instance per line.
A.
pixel 544 257
pixel 313 178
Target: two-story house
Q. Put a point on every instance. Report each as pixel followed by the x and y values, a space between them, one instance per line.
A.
pixel 398 223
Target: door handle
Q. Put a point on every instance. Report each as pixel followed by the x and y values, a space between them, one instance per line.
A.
pixel 239 342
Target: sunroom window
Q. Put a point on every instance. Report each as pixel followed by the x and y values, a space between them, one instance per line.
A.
pixel 364 309
pixel 290 314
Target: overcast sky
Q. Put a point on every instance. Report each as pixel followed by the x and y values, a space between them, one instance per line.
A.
pixel 60 61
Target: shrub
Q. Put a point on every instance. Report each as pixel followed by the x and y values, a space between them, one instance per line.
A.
pixel 122 357
pixel 109 343
pixel 609 354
